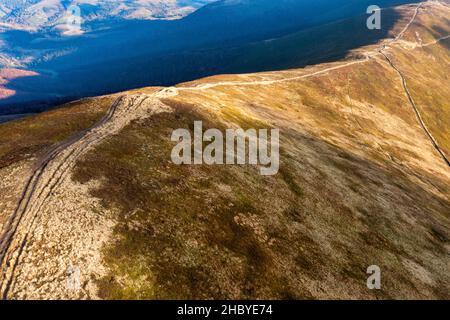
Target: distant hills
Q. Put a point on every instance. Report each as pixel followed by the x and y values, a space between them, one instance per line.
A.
pixel 37 14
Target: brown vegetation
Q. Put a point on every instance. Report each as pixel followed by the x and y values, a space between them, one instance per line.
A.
pixel 359 184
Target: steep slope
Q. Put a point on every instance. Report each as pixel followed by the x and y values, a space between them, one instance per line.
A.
pixel 360 183
pixel 48 13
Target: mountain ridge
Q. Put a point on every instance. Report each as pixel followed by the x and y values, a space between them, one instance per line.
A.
pixel 41 14
pixel 352 154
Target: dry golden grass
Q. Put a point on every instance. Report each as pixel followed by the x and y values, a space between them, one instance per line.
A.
pixel 359 184
pixel 26 138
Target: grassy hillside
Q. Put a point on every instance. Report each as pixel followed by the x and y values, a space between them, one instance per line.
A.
pixel 23 141
pixel 249 36
pixel 359 184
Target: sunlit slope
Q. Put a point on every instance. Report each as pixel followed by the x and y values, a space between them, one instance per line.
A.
pixel 427 71
pixel 359 184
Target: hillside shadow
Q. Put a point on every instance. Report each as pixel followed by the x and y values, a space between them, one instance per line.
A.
pixel 178 58
pixel 439 32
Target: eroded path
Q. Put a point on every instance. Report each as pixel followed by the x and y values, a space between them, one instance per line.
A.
pixel 382 51
pixel 53 169
pixel 405 85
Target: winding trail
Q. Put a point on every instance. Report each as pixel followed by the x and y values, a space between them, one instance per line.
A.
pixel 417 112
pixel 53 168
pixel 56 165
pixel 368 55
